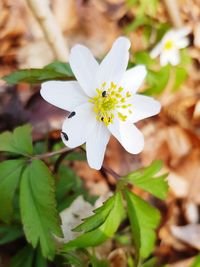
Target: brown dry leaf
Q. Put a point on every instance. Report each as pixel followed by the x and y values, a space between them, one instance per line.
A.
pixel 118 258
pixel 189 170
pixel 184 263
pixel 71 217
pixel 191 212
pixel 189 234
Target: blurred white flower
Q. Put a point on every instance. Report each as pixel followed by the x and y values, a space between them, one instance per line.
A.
pixel 168 47
pixel 103 101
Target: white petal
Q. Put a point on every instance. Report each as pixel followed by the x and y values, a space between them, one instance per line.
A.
pixel 128 135
pixel 174 57
pixel 182 43
pixel 115 63
pixel 143 107
pixel 79 127
pixel 133 78
pixel 84 67
pixel 155 52
pixel 182 32
pixel 164 58
pixel 66 95
pixel 96 145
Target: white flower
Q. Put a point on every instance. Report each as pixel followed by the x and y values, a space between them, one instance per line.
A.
pixel 103 101
pixel 168 47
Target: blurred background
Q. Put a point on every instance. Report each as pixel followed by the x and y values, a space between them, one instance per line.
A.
pixel 27 40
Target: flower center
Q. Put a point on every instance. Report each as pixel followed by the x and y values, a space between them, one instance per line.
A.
pixel 168 45
pixel 109 99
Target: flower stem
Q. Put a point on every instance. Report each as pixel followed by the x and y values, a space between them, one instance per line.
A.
pixel 110 171
pixel 51 154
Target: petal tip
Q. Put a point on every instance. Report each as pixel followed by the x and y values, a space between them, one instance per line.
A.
pixel 123 40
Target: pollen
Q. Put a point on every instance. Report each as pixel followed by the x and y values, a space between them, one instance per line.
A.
pixel 168 45
pixel 109 101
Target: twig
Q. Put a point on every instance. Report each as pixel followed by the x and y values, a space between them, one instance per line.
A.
pixel 111 172
pixel 51 154
pixel 174 12
pixel 50 28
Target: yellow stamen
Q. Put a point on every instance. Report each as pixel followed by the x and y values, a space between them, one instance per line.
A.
pixel 168 45
pixel 108 100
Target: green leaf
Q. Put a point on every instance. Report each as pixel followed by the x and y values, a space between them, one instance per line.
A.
pixel 138 22
pixel 145 180
pixel 98 218
pixel 23 258
pixel 106 230
pixel 9 233
pixel 53 71
pixel 38 207
pixel 10 172
pixel 185 57
pixel 28 257
pixel 157 81
pixel 142 57
pixel 144 219
pixel 40 261
pixel 60 67
pixel 76 257
pixel 180 75
pixel 18 142
pixel 69 187
pixel 153 262
pixel 95 262
pixel 196 262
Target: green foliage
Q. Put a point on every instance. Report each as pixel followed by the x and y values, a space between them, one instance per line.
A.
pixel 185 57
pixel 157 81
pixel 105 230
pixel 23 258
pixel 180 75
pixel 54 71
pixel 98 218
pixel 196 262
pixel 146 180
pixel 152 262
pixel 146 10
pixel 69 186
pixel 99 263
pixel 74 258
pixel 27 257
pixel 9 233
pixel 10 172
pixel 19 142
pixel 144 219
pixel 142 57
pixel 37 196
pixel 139 21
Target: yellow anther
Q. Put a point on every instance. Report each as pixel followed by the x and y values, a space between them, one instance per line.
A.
pixel 121 116
pixel 109 99
pixel 113 85
pixel 168 45
pixel 128 94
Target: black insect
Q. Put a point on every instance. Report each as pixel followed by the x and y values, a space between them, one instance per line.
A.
pixel 102 118
pixel 72 114
pixel 104 94
pixel 65 136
